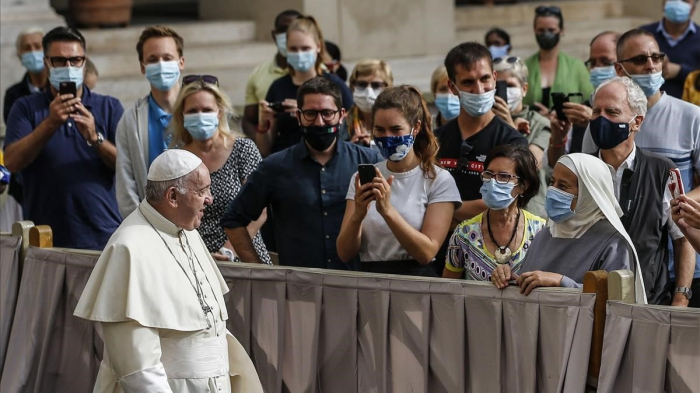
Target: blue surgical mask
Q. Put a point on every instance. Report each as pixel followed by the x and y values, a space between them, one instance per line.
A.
pixel 607 134
pixel 558 204
pixel 477 104
pixel 281 41
pixel 649 83
pixel 677 11
pixel 448 105
pixel 202 126
pixel 33 61
pixel 498 51
pixel 302 61
pixel 66 74
pixel 395 148
pixel 163 75
pixel 601 74
pixel 496 195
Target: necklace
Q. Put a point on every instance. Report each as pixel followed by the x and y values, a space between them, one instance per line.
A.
pixel 503 253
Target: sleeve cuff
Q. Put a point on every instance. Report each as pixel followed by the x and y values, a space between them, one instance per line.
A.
pixel 149 380
pixel 566 282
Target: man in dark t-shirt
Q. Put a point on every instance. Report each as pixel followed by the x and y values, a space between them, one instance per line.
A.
pixel 466 140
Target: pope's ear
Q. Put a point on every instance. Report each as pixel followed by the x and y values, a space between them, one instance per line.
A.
pixel 171 196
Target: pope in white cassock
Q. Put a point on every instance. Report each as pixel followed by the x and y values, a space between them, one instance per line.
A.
pixel 158 294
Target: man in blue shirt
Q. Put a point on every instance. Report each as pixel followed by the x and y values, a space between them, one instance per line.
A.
pixel 679 38
pixel 143 132
pixel 63 146
pixel 305 185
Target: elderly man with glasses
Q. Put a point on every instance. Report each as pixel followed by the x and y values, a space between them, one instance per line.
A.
pixel 62 144
pixel 305 185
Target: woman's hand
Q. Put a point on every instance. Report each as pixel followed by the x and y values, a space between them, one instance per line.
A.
pixel 500 108
pixel 577 114
pixel 364 194
pixel 502 275
pixel 290 106
pixel 685 212
pixel 382 192
pixel 267 116
pixel 523 126
pixel 531 280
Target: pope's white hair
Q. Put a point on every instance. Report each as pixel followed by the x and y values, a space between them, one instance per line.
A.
pixel 25 32
pixel 635 96
pixel 155 190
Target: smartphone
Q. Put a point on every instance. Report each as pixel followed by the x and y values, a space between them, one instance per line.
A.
pixel 558 100
pixel 676 185
pixel 277 106
pixel 67 88
pixel 502 90
pixel 366 172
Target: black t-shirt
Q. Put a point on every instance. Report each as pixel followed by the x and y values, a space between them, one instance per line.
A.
pixel 288 132
pixel 467 170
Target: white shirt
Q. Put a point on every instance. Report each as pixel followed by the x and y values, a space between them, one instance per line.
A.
pixel 617 181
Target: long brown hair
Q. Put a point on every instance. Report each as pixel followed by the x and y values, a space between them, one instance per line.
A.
pixel 409 101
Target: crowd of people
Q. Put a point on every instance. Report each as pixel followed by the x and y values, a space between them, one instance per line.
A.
pixel 520 171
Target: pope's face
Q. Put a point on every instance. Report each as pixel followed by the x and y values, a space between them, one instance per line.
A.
pixel 197 197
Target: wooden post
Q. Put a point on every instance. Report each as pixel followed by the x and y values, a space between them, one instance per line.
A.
pixel 41 236
pixel 21 229
pixel 596 282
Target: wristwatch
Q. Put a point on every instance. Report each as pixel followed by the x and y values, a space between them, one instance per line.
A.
pixel 100 140
pixel 687 292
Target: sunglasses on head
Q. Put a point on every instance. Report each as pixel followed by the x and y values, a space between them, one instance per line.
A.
pixel 209 79
pixel 508 59
pixel 640 60
pixel 544 10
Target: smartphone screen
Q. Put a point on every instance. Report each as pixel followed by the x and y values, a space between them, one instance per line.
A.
pixel 502 90
pixel 366 172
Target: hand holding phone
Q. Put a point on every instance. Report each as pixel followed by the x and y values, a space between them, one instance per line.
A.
pixel 277 106
pixel 67 88
pixel 366 173
pixel 676 184
pixel 502 90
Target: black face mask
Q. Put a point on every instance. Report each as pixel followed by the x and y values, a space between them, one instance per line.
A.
pixel 547 40
pixel 320 137
pixel 607 134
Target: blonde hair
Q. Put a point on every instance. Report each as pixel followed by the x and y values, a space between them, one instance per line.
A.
pixel 180 135
pixel 438 74
pixel 518 69
pixel 308 25
pixel 368 67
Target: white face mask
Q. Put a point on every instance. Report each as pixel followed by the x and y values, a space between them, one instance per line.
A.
pixel 515 97
pixel 364 98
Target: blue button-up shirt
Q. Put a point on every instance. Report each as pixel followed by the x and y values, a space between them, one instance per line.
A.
pixel 307 201
pixel 68 186
pixel 158 121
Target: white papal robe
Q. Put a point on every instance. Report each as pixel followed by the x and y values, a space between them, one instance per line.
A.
pixel 155 332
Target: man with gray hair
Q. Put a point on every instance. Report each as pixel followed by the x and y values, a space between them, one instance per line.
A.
pixel 641 183
pixel 158 294
pixel 30 52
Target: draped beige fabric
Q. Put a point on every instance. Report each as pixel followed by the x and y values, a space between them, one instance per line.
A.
pixel 326 331
pixel 9 285
pixel 650 349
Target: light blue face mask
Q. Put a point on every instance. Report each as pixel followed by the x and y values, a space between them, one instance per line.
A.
pixel 498 51
pixel 496 195
pixel 601 74
pixel 66 74
pixel 677 11
pixel 163 75
pixel 649 83
pixel 477 104
pixel 281 41
pixel 395 148
pixel 558 204
pixel 302 61
pixel 33 61
pixel 202 126
pixel 448 105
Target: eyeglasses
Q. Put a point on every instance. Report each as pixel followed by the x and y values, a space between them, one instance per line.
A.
pixel 509 60
pixel 209 79
pixel 364 84
pixel 640 60
pixel 326 114
pixel 501 178
pixel 547 10
pixel 58 61
pixel 601 62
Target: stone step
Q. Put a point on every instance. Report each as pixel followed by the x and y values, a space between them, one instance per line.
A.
pixel 471 17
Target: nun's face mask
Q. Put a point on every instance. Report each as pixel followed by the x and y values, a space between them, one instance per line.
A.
pixel 562 194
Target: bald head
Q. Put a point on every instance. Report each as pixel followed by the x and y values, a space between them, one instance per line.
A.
pixel 603 50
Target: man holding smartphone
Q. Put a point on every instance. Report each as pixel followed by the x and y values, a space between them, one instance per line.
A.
pixel 305 185
pixel 63 146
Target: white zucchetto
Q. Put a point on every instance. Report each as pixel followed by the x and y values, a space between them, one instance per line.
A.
pixel 173 164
